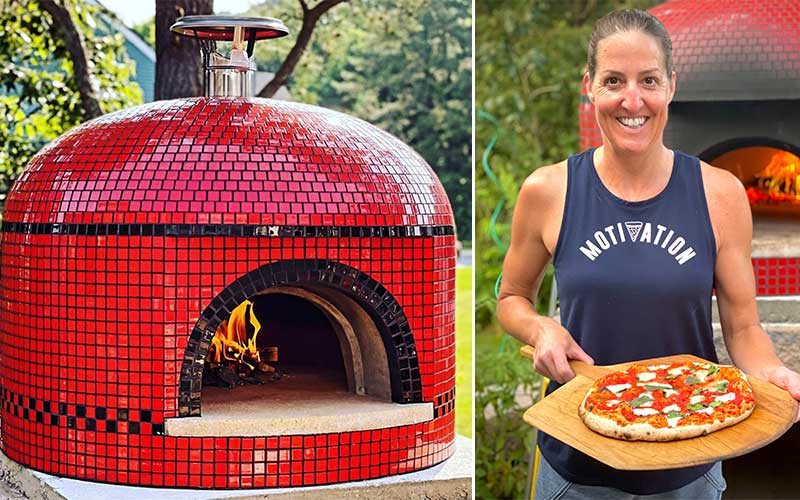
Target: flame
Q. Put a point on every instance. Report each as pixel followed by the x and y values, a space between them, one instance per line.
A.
pixel 781 176
pixel 230 341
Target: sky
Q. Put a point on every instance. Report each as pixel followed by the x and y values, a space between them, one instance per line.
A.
pixel 134 12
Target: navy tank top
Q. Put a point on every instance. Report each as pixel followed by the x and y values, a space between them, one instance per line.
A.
pixel 634 281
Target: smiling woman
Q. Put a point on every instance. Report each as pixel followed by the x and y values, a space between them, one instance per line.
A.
pixel 630 91
pixel 621 300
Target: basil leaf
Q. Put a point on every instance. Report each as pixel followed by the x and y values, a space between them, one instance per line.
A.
pixel 695 392
pixel 695 407
pixel 715 404
pixel 722 386
pixel 714 369
pixel 640 401
pixel 670 377
pixel 675 414
pixel 650 387
pixel 692 380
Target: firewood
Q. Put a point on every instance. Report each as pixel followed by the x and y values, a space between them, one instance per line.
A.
pixel 264 367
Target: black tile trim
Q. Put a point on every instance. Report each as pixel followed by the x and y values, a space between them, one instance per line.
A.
pixel 237 230
pixel 79 417
pixel 445 403
pixel 381 305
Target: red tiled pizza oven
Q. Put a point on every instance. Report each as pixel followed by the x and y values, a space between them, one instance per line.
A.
pixel 128 241
pixel 735 106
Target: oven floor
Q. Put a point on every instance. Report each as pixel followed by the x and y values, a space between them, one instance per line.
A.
pixel 299 403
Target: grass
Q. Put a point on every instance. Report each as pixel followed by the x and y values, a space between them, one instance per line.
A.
pixel 464 329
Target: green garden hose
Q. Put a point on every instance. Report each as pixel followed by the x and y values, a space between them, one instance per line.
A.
pixel 499 207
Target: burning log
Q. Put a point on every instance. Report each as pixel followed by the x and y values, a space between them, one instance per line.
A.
pixel 233 358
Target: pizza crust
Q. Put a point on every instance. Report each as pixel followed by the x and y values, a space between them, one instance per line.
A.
pixel 646 432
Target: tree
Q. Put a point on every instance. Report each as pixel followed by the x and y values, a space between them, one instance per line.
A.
pixel 411 75
pixel 77 54
pixel 310 18
pixel 179 67
pixel 57 70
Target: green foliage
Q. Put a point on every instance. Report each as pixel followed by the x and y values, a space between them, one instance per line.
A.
pixel 505 442
pixel 403 66
pixel 464 351
pixel 416 83
pixel 147 30
pixel 39 99
pixel 529 62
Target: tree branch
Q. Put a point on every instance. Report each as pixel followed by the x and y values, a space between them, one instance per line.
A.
pixel 77 53
pixel 310 18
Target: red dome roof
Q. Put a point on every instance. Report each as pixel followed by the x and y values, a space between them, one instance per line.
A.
pixel 228 161
pixel 734 50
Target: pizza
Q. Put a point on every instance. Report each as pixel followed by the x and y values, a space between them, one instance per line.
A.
pixel 667 402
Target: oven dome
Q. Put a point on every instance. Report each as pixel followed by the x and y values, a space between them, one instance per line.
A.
pixel 744 50
pixel 128 241
pixel 229 161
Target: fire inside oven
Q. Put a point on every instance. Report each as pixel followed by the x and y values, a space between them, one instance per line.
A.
pixel 770 175
pixel 245 348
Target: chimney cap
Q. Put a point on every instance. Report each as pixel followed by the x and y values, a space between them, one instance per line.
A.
pixel 221 28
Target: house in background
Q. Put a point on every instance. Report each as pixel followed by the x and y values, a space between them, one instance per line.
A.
pixel 142 55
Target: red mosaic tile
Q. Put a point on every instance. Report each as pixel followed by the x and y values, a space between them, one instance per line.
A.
pixel 127 235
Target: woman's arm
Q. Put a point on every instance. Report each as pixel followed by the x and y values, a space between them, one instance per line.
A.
pixel 748 344
pixel 533 236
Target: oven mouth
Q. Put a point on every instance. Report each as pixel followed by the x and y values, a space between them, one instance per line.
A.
pixel 769 171
pixel 342 353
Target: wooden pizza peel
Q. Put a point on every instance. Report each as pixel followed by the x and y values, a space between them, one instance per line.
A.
pixel 557 415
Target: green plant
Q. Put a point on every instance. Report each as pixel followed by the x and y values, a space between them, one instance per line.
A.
pixel 505 442
pixel 39 96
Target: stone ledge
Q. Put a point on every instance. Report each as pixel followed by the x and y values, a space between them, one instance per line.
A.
pixel 776 309
pixel 785 337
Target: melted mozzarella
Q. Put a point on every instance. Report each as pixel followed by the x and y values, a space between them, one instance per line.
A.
pixel 672 422
pixel 618 388
pixel 669 393
pixel 701 374
pixel 707 411
pixel 678 370
pixel 643 412
pixel 726 397
pixel 670 408
pixel 696 399
pixel 658 367
pixel 613 402
pixel 646 376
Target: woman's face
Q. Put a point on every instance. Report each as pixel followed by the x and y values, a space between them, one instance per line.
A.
pixel 630 91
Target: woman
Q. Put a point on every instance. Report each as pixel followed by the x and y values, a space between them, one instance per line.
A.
pixel 639 235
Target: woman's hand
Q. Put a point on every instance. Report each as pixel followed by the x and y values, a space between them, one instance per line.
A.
pixel 554 347
pixel 786 379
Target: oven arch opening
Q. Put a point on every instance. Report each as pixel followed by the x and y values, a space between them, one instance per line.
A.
pixel 367 330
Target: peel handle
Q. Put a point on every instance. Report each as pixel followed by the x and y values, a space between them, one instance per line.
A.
pixel 579 367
